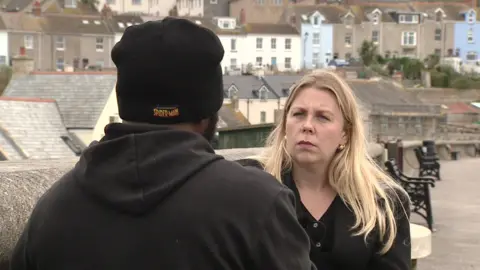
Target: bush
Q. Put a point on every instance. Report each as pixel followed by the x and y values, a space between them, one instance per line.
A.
pixel 462 83
pixel 439 79
pixel 377 68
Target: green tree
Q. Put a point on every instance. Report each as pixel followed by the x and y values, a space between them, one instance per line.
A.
pixel 368 52
pixel 92 3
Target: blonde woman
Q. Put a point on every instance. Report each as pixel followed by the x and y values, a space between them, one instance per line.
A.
pixel 355 214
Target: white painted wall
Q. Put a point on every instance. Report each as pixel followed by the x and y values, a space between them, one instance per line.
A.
pixel 238 54
pixel 251 52
pixel 252 109
pixel 193 8
pixel 4 47
pixel 150 7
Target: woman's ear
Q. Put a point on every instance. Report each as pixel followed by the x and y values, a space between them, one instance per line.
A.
pixel 344 138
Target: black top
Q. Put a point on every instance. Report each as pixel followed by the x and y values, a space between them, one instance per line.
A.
pixel 350 251
pixel 146 198
pixel 320 231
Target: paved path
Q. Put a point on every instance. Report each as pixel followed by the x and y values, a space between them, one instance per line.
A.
pixel 456 206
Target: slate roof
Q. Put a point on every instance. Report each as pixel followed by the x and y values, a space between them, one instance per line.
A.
pixel 61 24
pixel 386 97
pixel 81 97
pixel 281 83
pixel 246 86
pixel 22 22
pixel 388 10
pixel 32 128
pixel 232 118
pixel 273 29
pixel 452 10
pixel 118 23
pixel 332 13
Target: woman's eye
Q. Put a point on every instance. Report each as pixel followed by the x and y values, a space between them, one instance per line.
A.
pixel 323 117
pixel 297 114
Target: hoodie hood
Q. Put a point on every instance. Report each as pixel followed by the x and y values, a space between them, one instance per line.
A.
pixel 134 167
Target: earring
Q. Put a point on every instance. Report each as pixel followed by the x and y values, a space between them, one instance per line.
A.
pixel 341 147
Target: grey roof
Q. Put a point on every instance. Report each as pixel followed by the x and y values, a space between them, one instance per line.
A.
pixel 246 85
pixel 231 118
pixel 81 97
pixel 118 23
pixel 32 128
pixel 387 97
pixel 281 83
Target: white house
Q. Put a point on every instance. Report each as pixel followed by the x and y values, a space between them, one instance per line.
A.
pixel 4 53
pixel 274 46
pixel 141 7
pixel 271 46
pixel 193 8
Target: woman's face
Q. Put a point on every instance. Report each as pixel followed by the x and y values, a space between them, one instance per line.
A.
pixel 314 127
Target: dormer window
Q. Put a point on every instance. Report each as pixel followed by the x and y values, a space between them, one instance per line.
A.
pixel 471 17
pixel 232 92
pixel 375 18
pixel 263 94
pixel 226 23
pixel 315 20
pixel 438 16
pixel 408 18
pixel 348 20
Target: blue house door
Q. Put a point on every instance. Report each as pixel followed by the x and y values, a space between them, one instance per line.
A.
pixel 274 62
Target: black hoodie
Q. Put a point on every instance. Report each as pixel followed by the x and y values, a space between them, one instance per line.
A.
pixel 159 198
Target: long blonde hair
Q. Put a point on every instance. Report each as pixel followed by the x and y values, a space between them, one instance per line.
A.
pixel 353 174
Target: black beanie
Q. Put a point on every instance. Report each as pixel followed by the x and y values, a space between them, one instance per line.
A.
pixel 168 72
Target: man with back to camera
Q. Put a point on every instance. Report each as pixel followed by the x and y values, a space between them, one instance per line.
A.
pixel 152 194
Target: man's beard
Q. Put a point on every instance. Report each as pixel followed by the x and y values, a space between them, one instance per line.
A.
pixel 211 129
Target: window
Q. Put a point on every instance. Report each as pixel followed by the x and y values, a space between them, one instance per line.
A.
pixel 136 2
pixel 100 63
pixel 60 64
pixel 409 38
pixel 438 34
pixel 273 43
pixel 76 63
pixel 288 44
pixel 348 40
pixel 213 1
pixel 225 24
pixel 438 16
pixel 263 117
pixel 28 42
pixel 260 2
pixel 408 18
pixel 348 21
pixel 233 63
pixel 71 3
pixel 3 60
pixel 110 2
pixel 376 18
pixel 99 44
pixel 315 20
pixel 470 38
pixel 263 94
pixel 316 39
pixel 315 59
pixel 259 43
pixel 472 56
pixel 258 61
pixel 375 36
pixel 288 63
pixel 233 44
pixel 471 17
pixel 437 52
pixel 278 2
pixel 60 44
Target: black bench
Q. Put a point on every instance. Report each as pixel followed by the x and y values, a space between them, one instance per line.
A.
pixel 417 188
pixel 428 165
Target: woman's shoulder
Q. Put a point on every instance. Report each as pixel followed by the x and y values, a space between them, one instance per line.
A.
pixel 248 162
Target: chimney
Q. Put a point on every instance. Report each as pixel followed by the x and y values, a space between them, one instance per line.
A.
pixel 22 64
pixel 107 12
pixel 37 8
